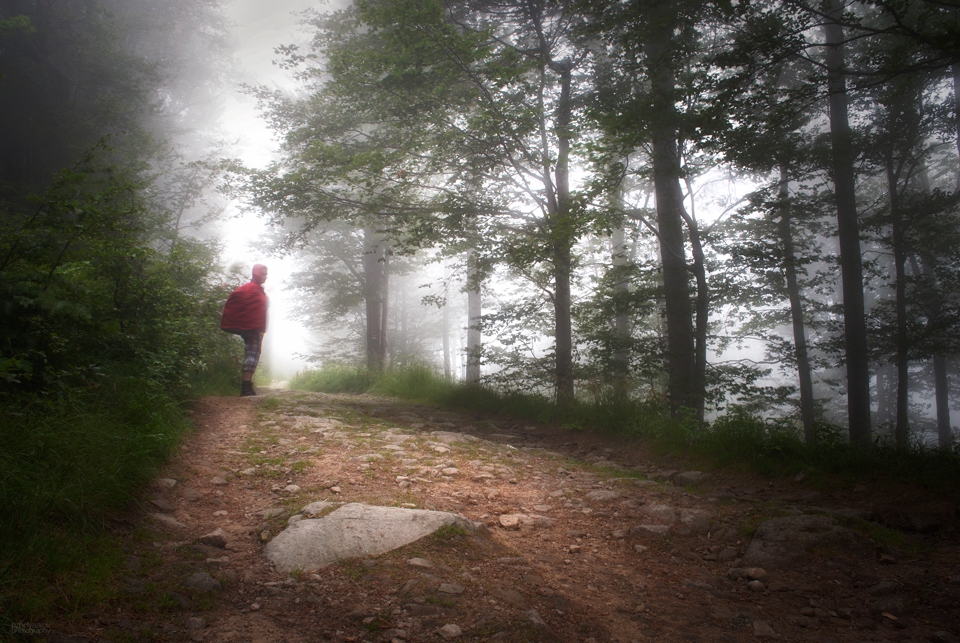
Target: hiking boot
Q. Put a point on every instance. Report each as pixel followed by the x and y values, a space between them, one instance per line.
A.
pixel 246 388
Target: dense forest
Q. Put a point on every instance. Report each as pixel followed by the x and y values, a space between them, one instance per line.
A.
pixel 746 204
pixel 726 209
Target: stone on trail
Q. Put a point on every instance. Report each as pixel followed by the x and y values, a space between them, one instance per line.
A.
pixel 696 519
pixel 218 481
pixel 511 521
pixel 602 495
pixel 450 631
pixel 690 478
pixel 203 582
pixel 216 538
pixel 660 514
pixel 168 521
pixel 354 530
pixel 166 483
pixel 782 541
pixel 449 437
pixel 656 530
pixel 192 495
pixel 762 630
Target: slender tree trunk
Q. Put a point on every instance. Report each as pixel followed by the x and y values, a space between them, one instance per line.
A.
pixel 956 113
pixel 681 353
pixel 885 410
pixel 701 306
pixel 901 427
pixel 944 431
pixel 562 232
pixel 445 324
pixel 384 304
pixel 804 377
pixel 621 320
pixel 848 232
pixel 372 294
pixel 474 320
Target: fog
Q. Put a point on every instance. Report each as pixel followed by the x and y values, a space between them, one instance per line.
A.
pixel 317 312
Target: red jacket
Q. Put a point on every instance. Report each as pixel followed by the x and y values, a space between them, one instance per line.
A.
pixel 245 310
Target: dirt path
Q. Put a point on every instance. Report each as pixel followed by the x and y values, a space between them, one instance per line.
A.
pixel 582 543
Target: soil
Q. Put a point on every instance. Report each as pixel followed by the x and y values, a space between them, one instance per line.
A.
pixel 576 566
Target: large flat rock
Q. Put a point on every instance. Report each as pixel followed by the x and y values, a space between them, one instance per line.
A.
pixel 354 530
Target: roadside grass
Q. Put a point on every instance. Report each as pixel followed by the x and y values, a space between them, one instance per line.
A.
pixel 738 439
pixel 66 466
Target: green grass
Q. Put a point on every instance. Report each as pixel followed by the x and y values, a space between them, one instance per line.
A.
pixel 738 439
pixel 65 466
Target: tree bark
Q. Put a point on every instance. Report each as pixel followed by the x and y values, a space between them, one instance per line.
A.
pixel 804 377
pixel 384 304
pixel 681 354
pixel 901 426
pixel 621 320
pixel 848 232
pixel 445 324
pixel 474 320
pixel 373 294
pixel 562 232
pixel 944 431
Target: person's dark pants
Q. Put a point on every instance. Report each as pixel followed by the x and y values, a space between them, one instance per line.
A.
pixel 254 343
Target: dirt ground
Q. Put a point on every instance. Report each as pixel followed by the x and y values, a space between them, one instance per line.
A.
pixel 576 561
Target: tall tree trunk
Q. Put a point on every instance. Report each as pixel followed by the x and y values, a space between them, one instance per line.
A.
pixel 804 377
pixel 474 320
pixel 621 320
pixel 944 431
pixel 445 323
pixel 373 297
pixel 701 306
pixel 681 353
pixel 901 427
pixel 384 304
pixel 956 113
pixel 562 232
pixel 848 232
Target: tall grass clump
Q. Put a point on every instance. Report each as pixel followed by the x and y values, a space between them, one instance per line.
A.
pixel 334 378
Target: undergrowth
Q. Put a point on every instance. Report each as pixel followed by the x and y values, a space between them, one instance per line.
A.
pixel 67 464
pixel 738 439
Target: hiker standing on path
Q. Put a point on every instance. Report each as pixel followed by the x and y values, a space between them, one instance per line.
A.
pixel 245 314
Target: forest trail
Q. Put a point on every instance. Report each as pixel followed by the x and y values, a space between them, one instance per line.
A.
pixel 582 542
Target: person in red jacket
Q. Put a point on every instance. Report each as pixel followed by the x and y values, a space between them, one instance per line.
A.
pixel 245 314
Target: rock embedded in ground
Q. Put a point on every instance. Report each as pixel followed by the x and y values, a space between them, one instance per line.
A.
pixel 192 495
pixel 166 483
pixel 696 519
pixel 602 495
pixel 763 630
pixel 511 521
pixel 450 631
pixel 168 521
pixel 218 481
pixel 690 478
pixel 217 538
pixel 354 530
pixel 203 582
pixel 660 514
pixel 782 541
pixel 656 530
